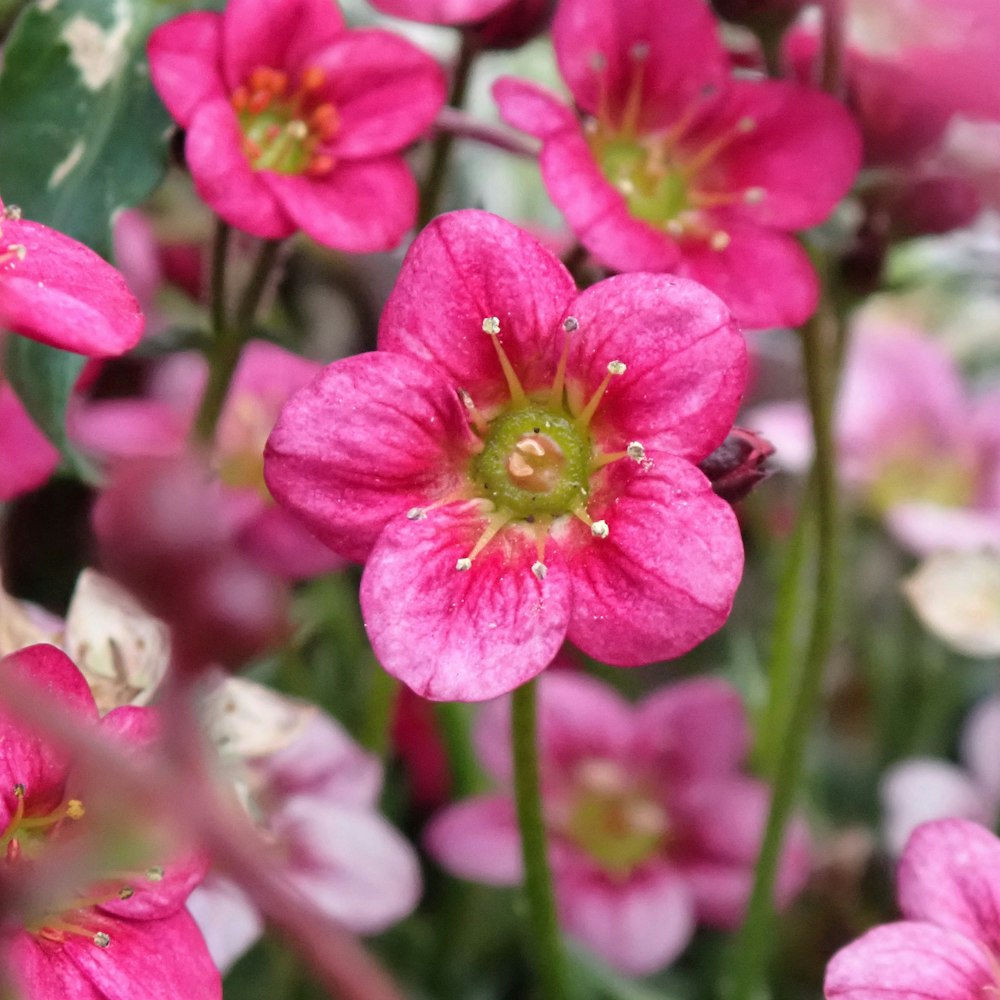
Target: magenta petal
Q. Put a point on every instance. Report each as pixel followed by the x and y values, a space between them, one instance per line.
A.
pixel 467 266
pixel 227 918
pixel 950 874
pixel 283 545
pixel 29 458
pixel 686 363
pixel 224 178
pixel 765 277
pixel 362 206
pixel 64 294
pixel 637 925
pixel 478 840
pixel 665 577
pixel 462 636
pixel 909 961
pixel 683 55
pixel 532 109
pixel 440 11
pixel 410 455
pixel 127 428
pixel 185 57
pixel 387 92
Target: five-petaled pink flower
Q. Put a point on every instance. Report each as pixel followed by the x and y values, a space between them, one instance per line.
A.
pixel 676 166
pixel 58 291
pixel 652 825
pixel 295 122
pixel 123 936
pixel 516 463
pixel 947 947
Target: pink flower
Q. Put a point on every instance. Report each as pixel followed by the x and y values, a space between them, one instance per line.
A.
pixel 123 931
pixel 652 826
pixel 56 290
pixel 676 167
pixel 947 947
pixel 516 463
pixel 295 122
pixel 29 458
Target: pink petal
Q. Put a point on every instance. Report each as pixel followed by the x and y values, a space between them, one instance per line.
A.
pixel 349 862
pixel 387 92
pixel 226 918
pixel 281 544
pixel 185 61
pixel 693 728
pixel 467 266
pixel 532 109
pixel 361 206
pixel 283 36
pixel 764 277
pixel 981 747
pixel 462 636
pixel 637 925
pixel 950 875
pixel 127 428
pixel 29 458
pixel 346 457
pixel 665 577
pixel 787 426
pixel 683 60
pixel 224 178
pixel 478 840
pixel 686 363
pixel 925 528
pixel 909 961
pixel 440 11
pixel 64 294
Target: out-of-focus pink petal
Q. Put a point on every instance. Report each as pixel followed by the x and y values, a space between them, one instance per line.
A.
pixel 361 206
pixel 462 635
pixel 228 920
pixel 467 266
pixel 921 789
pixel 349 862
pixel 926 528
pixel 686 363
pixel 950 874
pixel 185 62
pixel 398 416
pixel 29 458
pixel 127 428
pixel 909 961
pixel 224 178
pixel 478 839
pixel 637 925
pixel 387 93
pixel 765 277
pixel 532 109
pixel 440 11
pixel 279 542
pixel 981 749
pixel 787 426
pixel 604 48
pixel 694 728
pixel 665 577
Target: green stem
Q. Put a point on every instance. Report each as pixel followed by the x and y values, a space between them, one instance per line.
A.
pixel 220 251
pixel 453 725
pixel 755 939
pixel 438 172
pixel 833 46
pixel 549 956
pixel 229 338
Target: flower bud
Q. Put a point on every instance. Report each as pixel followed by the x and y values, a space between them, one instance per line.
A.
pixel 737 465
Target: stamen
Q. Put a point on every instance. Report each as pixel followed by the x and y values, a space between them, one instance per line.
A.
pixel 13 251
pixel 637 453
pixel 615 368
pixel 12 213
pixel 101 939
pixel 599 529
pixel 719 240
pixel 639 53
pixel 719 199
pixel 479 422
pixel 719 144
pixel 494 524
pixel 570 325
pixel 7 837
pixel 155 874
pixel 539 569
pixel 491 325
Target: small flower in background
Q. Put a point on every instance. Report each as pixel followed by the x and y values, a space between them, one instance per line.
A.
pixel 677 166
pixel 923 788
pixel 653 825
pixel 29 458
pixel 295 122
pixel 947 947
pixel 516 463
pixel 56 290
pixel 495 24
pixel 122 930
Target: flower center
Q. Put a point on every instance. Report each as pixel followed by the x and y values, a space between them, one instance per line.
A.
pixel 286 131
pixel 614 821
pixel 915 476
pixel 239 450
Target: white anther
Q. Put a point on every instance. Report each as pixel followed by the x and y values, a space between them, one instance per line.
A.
pixel 599 529
pixel 19 250
pixel 297 129
pixel 637 453
pixel 675 227
pixel 746 124
pixel 646 817
pixel 416 513
pixel 12 213
pixel 491 325
pixel 719 240
pixel 626 185
pixel 617 367
pixel 101 939
pixel 639 51
pixel 463 565
pixel 754 195
pixel 155 874
pixel 539 569
pixel 571 324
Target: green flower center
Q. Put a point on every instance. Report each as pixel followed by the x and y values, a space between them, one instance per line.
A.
pixel 906 477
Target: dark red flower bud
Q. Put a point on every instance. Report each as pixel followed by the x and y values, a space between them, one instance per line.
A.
pixel 738 464
pixel 514 24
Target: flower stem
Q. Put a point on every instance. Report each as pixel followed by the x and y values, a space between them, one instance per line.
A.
pixel 438 172
pixel 229 338
pixel 549 956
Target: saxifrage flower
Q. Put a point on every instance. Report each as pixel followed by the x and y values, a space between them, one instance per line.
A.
pixel 124 935
pixel 295 122
pixel 676 166
pixel 652 825
pixel 516 463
